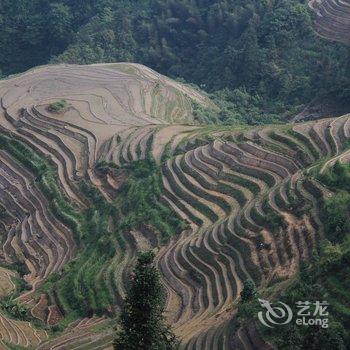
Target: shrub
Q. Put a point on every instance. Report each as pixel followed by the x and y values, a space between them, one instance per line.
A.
pixel 58 106
pixel 249 291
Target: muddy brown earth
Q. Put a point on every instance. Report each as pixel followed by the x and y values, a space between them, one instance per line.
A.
pixel 234 187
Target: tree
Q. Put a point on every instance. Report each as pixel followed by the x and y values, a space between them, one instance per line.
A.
pixel 142 325
pixel 248 291
pixel 336 212
pixel 59 26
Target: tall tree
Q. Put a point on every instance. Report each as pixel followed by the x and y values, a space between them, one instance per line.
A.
pixel 142 325
pixel 249 291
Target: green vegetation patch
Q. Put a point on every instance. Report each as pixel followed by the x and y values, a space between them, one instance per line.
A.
pixel 58 106
pixel 336 209
pixel 338 176
pixel 138 201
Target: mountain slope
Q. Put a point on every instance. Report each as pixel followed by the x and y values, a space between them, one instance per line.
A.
pixel 84 187
pixel 261 59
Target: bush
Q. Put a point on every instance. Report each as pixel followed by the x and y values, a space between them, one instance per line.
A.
pixel 14 309
pixel 249 291
pixel 58 106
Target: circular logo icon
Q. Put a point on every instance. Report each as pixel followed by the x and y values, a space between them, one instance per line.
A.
pixel 274 315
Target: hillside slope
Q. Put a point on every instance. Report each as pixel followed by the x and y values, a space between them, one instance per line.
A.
pixel 121 94
pixel 260 59
pixel 121 167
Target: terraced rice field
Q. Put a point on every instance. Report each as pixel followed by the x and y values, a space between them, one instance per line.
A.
pixel 6 282
pixel 250 206
pixel 332 20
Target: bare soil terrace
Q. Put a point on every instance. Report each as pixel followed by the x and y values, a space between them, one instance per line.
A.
pixel 237 188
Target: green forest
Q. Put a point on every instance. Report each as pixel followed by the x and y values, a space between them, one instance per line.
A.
pixel 260 59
